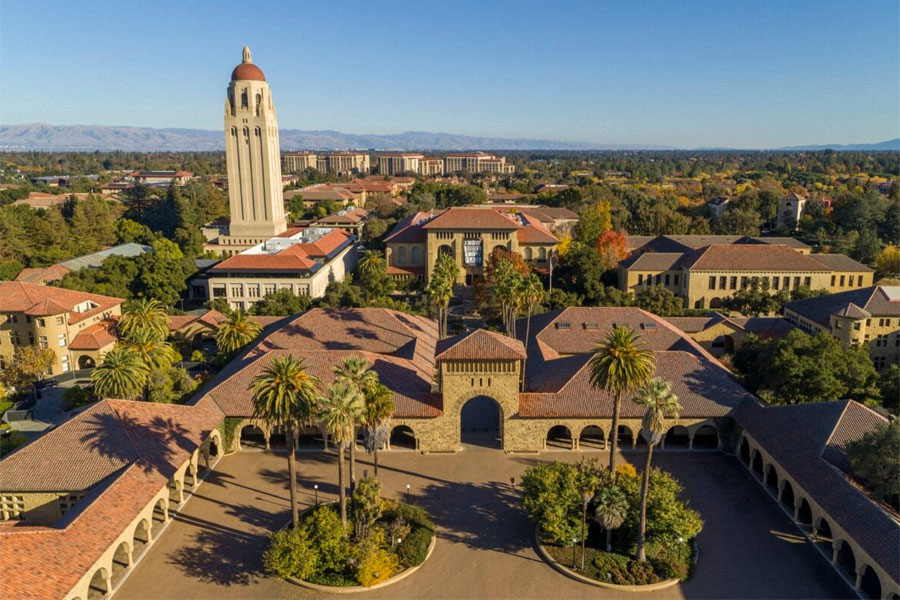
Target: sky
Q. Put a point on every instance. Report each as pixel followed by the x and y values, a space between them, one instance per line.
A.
pixel 749 74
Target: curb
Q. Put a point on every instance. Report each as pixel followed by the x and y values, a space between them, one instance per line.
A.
pixel 650 587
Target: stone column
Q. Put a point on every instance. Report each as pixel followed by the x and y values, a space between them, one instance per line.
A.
pixel 834 552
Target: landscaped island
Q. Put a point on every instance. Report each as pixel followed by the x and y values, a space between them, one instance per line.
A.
pixel 574 506
pixel 382 539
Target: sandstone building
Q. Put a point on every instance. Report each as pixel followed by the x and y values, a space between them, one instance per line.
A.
pixel 868 316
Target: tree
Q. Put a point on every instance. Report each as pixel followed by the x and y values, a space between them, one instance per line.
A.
pixel 611 510
pixel 366 505
pixel 739 221
pixel 587 482
pixel 659 301
pixel 890 388
pixel 552 500
pixel 875 459
pixel 161 273
pixel 532 295
pixel 169 386
pixel 440 288
pixel 373 276
pixel 612 247
pixel 144 315
pixel 236 331
pixel 281 304
pixel 660 403
pixel 867 247
pixel 338 411
pixel 888 261
pixel 620 365
pixel 594 221
pixel 754 300
pixel 121 374
pixel 376 414
pixel 155 353
pixel 355 372
pixel 29 364
pixel 801 368
pixel 284 395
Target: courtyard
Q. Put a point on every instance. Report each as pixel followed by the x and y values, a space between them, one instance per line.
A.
pixel 212 548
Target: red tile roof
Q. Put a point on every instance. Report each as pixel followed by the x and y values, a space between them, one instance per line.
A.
pixel 42 300
pixel 534 232
pixel 298 257
pixel 480 344
pixel 43 274
pixel 96 337
pixel 472 218
pixel 409 230
pixel 749 257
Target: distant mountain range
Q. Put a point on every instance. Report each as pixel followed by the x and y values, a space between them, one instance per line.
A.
pixel 41 136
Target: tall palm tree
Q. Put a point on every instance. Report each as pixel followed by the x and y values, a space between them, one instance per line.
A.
pixel 338 411
pixel 284 395
pixel 236 331
pixel 155 352
pixel 144 314
pixel 619 365
pixel 611 510
pixel 355 371
pixel 372 261
pixel 122 374
pixel 660 403
pixel 587 482
pixel 532 295
pixel 377 410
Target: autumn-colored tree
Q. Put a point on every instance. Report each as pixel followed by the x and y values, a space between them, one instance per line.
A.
pixel 613 247
pixel 595 219
pixel 888 261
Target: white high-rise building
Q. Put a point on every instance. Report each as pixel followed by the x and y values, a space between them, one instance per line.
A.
pixel 253 156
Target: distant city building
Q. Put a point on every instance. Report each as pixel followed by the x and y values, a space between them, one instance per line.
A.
pixel 302 260
pixel 476 162
pixel 790 210
pixel 344 163
pixel 398 162
pixel 868 317
pixel 162 177
pixel 297 162
pixel 78 327
pixel 431 166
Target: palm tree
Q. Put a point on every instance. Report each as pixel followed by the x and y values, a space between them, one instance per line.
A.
pixel 155 352
pixel 656 395
pixel 619 365
pixel 587 482
pixel 372 261
pixel 532 295
pixel 285 395
pixel 611 510
pixel 144 314
pixel 338 411
pixel 376 415
pixel 122 374
pixel 236 331
pixel 355 371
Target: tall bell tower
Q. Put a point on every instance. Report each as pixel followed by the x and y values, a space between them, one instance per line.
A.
pixel 253 156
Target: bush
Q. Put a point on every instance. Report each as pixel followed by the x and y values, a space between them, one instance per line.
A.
pixel 10 442
pixel 552 501
pixel 621 570
pixel 374 563
pixel 414 515
pixel 328 536
pixel 76 396
pixel 291 554
pixel 414 547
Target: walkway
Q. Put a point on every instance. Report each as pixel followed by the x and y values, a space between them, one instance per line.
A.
pixel 749 548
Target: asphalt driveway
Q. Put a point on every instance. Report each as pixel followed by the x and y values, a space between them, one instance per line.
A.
pixel 212 549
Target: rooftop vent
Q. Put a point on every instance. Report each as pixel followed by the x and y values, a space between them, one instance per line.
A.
pixel 592 326
pixel 564 325
pixel 650 326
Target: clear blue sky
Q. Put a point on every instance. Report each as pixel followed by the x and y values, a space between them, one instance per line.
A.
pixel 683 73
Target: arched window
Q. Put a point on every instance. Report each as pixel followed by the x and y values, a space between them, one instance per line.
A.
pixel 401 255
pixel 244 100
pixel 542 253
pixel 528 254
pixel 416 254
pixel 258 103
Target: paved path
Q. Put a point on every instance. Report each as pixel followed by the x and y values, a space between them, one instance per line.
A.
pixel 749 548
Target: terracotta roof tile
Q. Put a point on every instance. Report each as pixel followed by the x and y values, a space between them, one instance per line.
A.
pixel 472 218
pixel 749 257
pixel 96 337
pixel 42 300
pixel 480 344
pixel 42 275
pixel 874 300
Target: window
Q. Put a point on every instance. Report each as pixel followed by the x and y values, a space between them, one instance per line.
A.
pixel 64 361
pixel 529 254
pixel 62 340
pixel 27 318
pixel 12 318
pixel 775 283
pixel 219 292
pixel 676 279
pixel 401 255
pixel 237 290
pixel 253 291
pixel 723 282
pixel 744 282
pixel 796 282
pixel 807 281
pixel 842 281
pixel 833 277
pixel 41 323
pixel 859 281
pixel 43 341
pixel 269 288
pixel 658 279
pixel 542 254
pixel 856 326
pixel 60 321
pixel 712 282
pixel 416 255
pixel 667 279
pixel 733 283
pixel 640 279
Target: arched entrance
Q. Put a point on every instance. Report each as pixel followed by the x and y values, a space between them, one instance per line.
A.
pixel 402 438
pixel 120 562
pixel 869 584
pixel 757 465
pixel 480 422
pixel 559 438
pixel 706 438
pixel 278 440
pixel 745 451
pixel 723 344
pixel 252 437
pixel 85 362
pixel 100 585
pixel 677 437
pixel 787 496
pixel 772 480
pixel 846 561
pixel 804 513
pixel 625 438
pixel 592 438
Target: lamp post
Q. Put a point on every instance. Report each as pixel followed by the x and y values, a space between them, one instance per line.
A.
pixel 574 546
pixel 407 493
pixel 316 488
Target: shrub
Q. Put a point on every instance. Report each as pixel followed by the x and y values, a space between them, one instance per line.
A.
pixel 76 396
pixel 414 515
pixel 374 563
pixel 329 536
pixel 552 500
pixel 333 579
pixel 619 569
pixel 414 547
pixel 291 554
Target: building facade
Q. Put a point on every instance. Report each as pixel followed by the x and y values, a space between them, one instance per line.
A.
pixel 297 162
pixel 790 210
pixel 868 317
pixel 476 162
pixel 253 155
pixel 396 163
pixel 78 327
pixel 344 163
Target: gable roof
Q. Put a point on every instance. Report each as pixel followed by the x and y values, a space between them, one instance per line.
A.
pixel 96 337
pixel 480 344
pixel 41 300
pixel 42 274
pixel 471 218
pixel 875 301
pixel 841 262
pixel 749 257
pixel 410 229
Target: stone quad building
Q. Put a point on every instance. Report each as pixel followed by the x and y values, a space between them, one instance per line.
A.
pixel 81 503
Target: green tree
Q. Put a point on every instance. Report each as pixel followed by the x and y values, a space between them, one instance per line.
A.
pixel 29 364
pixel 373 276
pixel 365 505
pixel 611 509
pixel 659 301
pixel 281 304
pixel 440 288
pixel 739 221
pixel 754 300
pixel 121 374
pixel 552 500
pixel 376 414
pixel 620 365
pixel 284 395
pixel 144 315
pixel 355 372
pixel 236 331
pixel 154 352
pixel 875 459
pixel 161 273
pixel 338 412
pixel 660 404
pixel 532 293
pixel 587 483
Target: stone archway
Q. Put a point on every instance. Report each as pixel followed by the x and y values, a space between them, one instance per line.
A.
pixel 559 437
pixel 869 584
pixel 705 438
pixel 745 452
pixel 100 586
pixel 804 513
pixel 845 559
pixel 252 438
pixel 757 465
pixel 85 362
pixel 402 438
pixel 481 422
pixel 677 437
pixel 592 438
pixel 121 562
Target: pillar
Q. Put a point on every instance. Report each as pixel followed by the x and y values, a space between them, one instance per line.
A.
pixel 796 509
pixel 858 583
pixel 691 440
pixel 834 552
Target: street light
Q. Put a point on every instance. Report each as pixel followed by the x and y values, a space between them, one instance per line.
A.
pixel 574 546
pixel 407 493
pixel 316 488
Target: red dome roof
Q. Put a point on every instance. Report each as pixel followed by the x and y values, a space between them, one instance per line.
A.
pixel 247 71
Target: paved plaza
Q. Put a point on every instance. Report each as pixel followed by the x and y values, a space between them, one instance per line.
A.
pixel 212 549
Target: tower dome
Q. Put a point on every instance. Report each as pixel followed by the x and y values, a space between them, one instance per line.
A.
pixel 247 71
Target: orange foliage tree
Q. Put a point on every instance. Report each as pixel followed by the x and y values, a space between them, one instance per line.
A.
pixel 612 247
